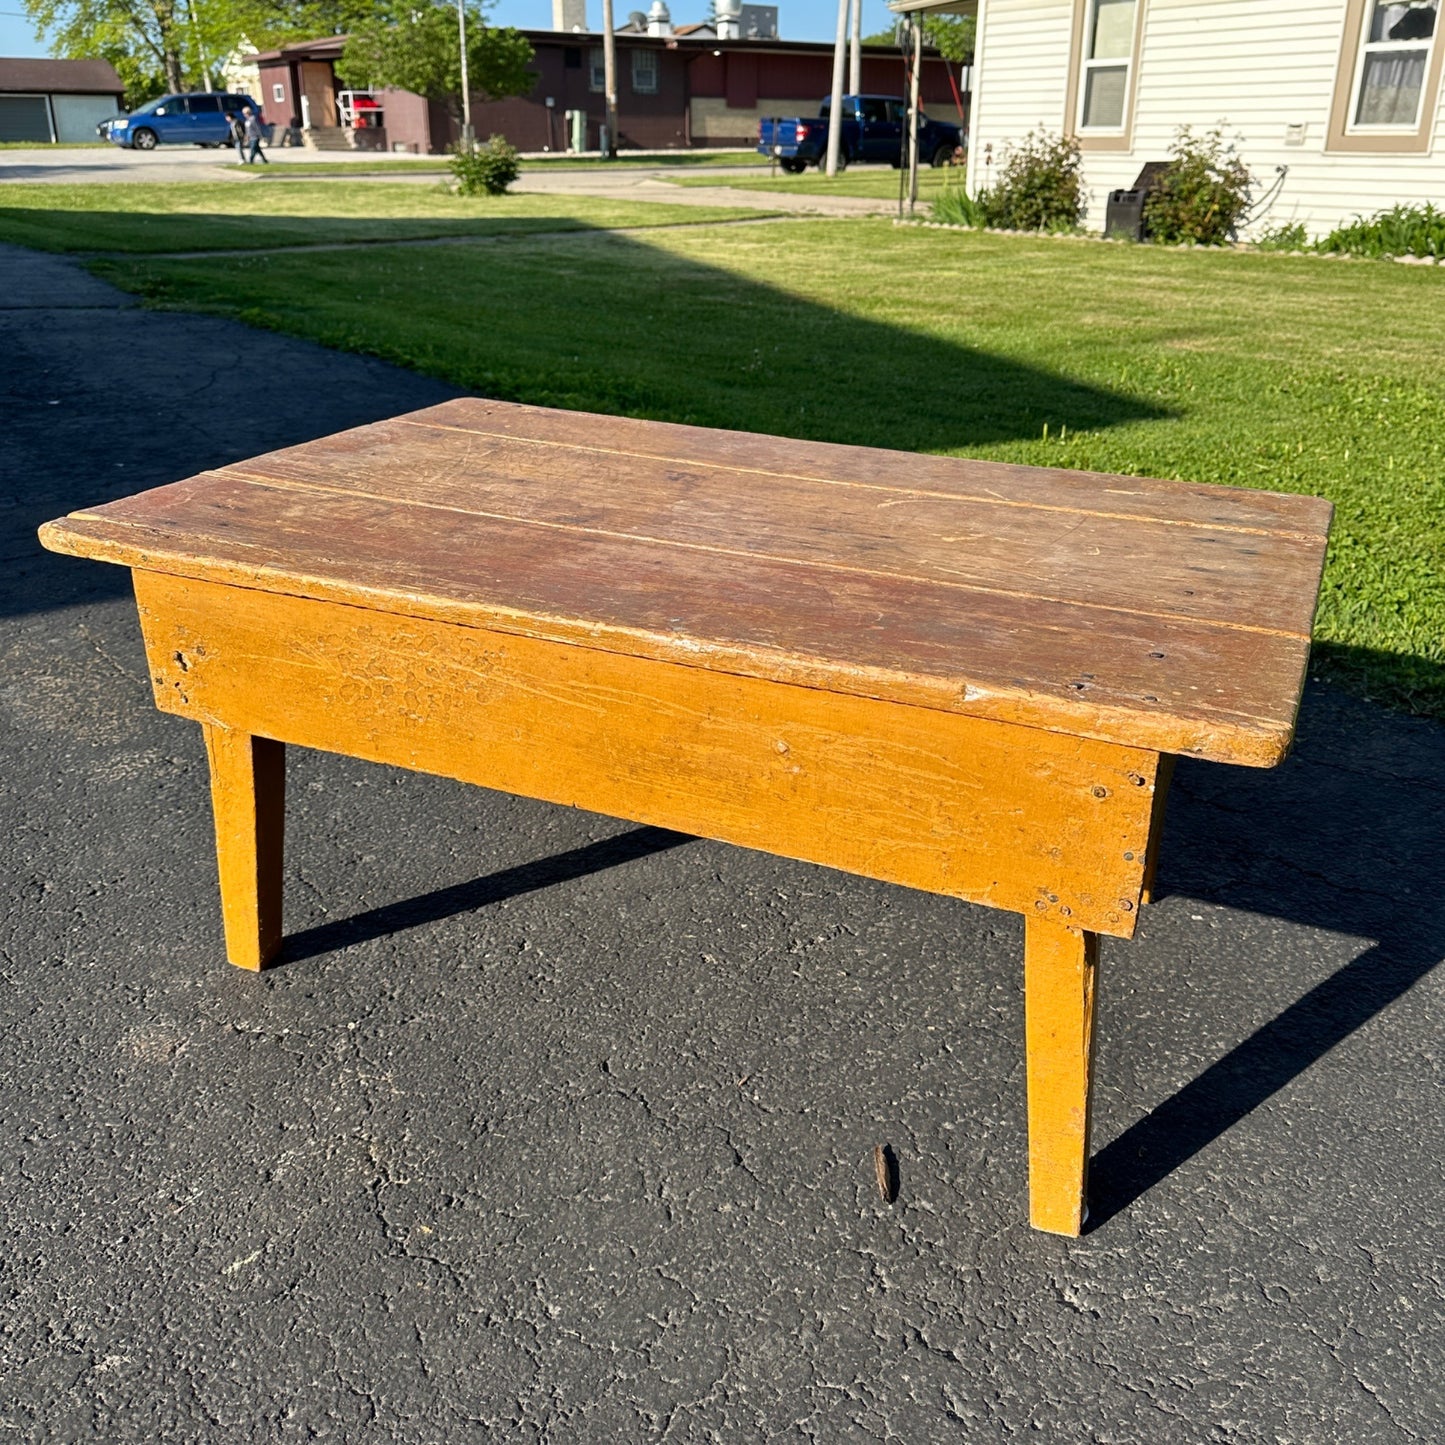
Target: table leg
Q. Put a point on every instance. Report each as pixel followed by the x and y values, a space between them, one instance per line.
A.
pixel 1059 971
pixel 248 798
pixel 1162 778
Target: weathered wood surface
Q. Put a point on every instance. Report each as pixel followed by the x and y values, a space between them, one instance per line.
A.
pixel 1161 615
pixel 1060 996
pixel 248 805
pixel 1016 818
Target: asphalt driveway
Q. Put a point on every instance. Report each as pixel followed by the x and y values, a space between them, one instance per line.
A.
pixel 556 1129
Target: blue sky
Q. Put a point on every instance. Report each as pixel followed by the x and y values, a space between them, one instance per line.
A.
pixel 16 37
pixel 797 19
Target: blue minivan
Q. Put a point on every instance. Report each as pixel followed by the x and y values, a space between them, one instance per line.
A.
pixel 201 118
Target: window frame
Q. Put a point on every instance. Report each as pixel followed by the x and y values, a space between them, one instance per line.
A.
pixel 1343 134
pixel 1367 48
pixel 596 70
pixel 641 52
pixel 1099 138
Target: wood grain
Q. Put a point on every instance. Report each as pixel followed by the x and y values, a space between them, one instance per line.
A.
pixel 1060 968
pixel 1011 817
pixel 248 803
pixel 1183 637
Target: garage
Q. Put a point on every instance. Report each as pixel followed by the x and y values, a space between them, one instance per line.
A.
pixel 48 101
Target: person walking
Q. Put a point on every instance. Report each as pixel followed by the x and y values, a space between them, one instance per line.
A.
pixel 238 136
pixel 255 132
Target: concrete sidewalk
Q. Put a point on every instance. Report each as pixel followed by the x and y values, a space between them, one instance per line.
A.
pixel 626 181
pixel 554 1129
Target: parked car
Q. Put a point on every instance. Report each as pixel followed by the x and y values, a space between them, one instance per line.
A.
pixel 875 128
pixel 200 118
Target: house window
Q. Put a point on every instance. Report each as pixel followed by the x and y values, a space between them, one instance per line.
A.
pixel 1396 43
pixel 572 57
pixel 1108 58
pixel 597 70
pixel 644 72
pixel 278 93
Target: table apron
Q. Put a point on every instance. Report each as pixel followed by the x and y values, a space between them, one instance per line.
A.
pixel 1041 823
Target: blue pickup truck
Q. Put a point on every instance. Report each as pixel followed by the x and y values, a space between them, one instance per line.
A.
pixel 875 128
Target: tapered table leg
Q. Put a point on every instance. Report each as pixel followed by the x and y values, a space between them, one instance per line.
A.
pixel 248 798
pixel 1059 968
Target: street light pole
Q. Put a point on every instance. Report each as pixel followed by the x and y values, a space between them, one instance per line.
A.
pixel 855 49
pixel 609 80
pixel 466 80
pixel 835 105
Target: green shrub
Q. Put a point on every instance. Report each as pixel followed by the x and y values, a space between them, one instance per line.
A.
pixel 487 170
pixel 1289 236
pixel 1401 231
pixel 1039 187
pixel 1202 195
pixel 955 207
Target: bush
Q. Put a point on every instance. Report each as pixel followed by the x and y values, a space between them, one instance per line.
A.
pixel 487 170
pixel 1039 187
pixel 955 207
pixel 1288 237
pixel 1203 193
pixel 1401 231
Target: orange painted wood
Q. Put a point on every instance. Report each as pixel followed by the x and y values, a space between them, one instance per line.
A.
pixel 956 675
pixel 1153 614
pixel 1060 968
pixel 1011 817
pixel 248 802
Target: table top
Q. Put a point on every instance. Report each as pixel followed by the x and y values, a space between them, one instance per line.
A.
pixel 1162 615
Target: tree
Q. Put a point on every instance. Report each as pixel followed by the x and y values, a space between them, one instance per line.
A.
pixel 417 49
pixel 161 45
pixel 951 35
pixel 145 40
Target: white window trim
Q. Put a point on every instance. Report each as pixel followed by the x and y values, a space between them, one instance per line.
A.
pixel 596 70
pixel 641 53
pixel 1380 47
pixel 1112 63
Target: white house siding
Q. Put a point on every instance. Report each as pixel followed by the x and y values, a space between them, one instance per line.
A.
pixel 1255 68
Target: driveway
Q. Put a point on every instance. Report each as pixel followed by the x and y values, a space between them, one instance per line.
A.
pixel 556 1129
pixel 628 181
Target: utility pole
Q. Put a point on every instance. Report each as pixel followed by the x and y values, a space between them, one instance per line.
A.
pixel 466 80
pixel 855 50
pixel 609 79
pixel 835 109
pixel 913 115
pixel 200 49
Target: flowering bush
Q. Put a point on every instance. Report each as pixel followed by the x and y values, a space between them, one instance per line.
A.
pixel 1203 193
pixel 486 170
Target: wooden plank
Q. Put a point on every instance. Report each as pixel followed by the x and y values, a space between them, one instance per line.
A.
pixel 1182 687
pixel 1060 968
pixel 1021 486
pixel 1011 817
pixel 1239 576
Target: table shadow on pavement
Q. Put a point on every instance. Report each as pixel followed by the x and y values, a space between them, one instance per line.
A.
pixel 1344 837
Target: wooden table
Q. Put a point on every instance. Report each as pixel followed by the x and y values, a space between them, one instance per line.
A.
pixel 966 677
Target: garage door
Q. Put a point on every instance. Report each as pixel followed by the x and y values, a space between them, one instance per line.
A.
pixel 25 117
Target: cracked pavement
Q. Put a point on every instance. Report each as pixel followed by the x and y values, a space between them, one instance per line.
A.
pixel 556 1129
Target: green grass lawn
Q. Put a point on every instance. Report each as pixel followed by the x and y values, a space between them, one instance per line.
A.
pixel 437 165
pixel 873 183
pixel 415 165
pixel 684 159
pixel 1250 370
pixel 61 145
pixel 221 215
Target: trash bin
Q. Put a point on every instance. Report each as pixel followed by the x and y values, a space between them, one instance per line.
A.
pixel 1124 215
